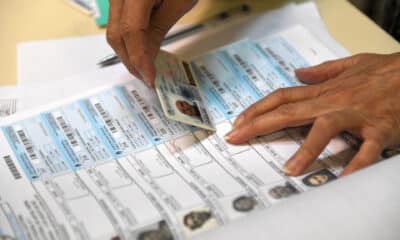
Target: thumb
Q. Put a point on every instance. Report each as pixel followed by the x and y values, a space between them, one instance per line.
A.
pixel 164 16
pixel 327 70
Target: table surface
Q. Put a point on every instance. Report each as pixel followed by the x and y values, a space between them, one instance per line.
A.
pixel 27 20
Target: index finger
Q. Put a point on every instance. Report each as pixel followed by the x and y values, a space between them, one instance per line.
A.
pixel 134 26
pixel 276 99
pixel 113 34
pixel 288 115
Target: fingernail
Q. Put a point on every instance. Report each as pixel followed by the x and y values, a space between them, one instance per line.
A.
pixel 150 85
pixel 290 166
pixel 304 69
pixel 239 120
pixel 286 170
pixel 344 174
pixel 230 135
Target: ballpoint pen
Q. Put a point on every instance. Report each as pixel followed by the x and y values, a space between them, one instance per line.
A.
pixel 243 9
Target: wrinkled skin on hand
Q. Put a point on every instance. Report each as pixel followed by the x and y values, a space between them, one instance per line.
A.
pixel 136 29
pixel 359 94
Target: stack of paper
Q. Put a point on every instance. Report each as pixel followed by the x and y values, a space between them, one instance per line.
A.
pixel 109 164
pixel 94 157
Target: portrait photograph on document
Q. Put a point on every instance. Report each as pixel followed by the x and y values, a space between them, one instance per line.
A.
pixel 187 109
pixel 158 231
pixel 240 205
pixel 198 220
pixel 244 203
pixel 282 191
pixel 318 178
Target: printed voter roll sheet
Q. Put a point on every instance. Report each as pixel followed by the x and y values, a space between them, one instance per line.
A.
pixel 108 164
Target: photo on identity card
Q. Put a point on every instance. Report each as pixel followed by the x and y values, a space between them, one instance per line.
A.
pixel 178 92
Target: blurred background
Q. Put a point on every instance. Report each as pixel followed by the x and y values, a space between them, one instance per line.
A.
pixel 385 13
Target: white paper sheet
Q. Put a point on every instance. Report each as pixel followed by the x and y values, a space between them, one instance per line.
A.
pixel 364 205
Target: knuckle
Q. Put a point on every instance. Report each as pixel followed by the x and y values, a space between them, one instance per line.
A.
pixel 112 37
pixel 308 153
pixel 338 96
pixel 376 143
pixel 253 109
pixel 252 125
pixel 245 114
pixel 286 94
pixel 126 28
pixel 287 110
pixel 361 161
pixel 324 122
pixel 281 94
pixel 255 125
pixel 318 90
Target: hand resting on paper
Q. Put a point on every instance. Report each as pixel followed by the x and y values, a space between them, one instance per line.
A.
pixel 359 94
pixel 136 29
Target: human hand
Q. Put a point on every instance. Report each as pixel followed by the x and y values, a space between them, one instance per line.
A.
pixel 136 29
pixel 359 94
